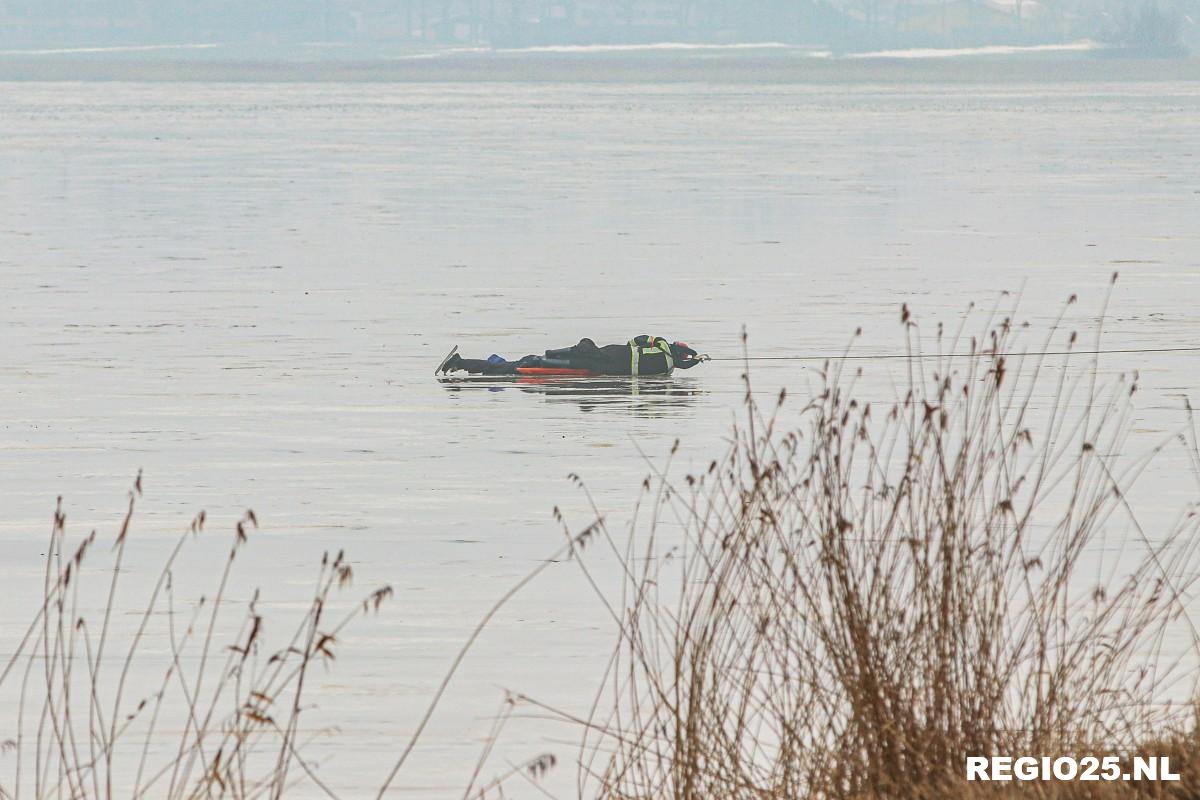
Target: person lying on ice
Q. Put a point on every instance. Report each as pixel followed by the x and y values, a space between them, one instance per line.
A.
pixel 642 355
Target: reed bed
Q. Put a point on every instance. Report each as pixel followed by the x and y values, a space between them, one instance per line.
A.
pixel 859 595
pixel 193 699
pixel 218 717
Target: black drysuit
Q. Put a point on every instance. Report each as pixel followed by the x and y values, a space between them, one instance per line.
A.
pixel 611 359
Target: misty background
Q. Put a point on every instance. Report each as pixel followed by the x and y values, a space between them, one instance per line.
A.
pixel 1158 27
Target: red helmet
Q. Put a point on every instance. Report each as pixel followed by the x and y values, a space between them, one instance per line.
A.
pixel 681 351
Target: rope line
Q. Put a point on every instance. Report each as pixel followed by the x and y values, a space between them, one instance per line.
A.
pixel 856 357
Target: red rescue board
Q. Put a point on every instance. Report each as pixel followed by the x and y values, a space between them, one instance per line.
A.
pixel 578 373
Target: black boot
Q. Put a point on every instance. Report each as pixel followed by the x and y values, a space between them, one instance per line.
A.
pixel 450 363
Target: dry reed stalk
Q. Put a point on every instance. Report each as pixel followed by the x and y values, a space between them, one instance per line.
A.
pixel 860 601
pixel 238 707
pixel 78 735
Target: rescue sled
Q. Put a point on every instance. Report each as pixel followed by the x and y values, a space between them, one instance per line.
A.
pixel 446 360
pixel 557 371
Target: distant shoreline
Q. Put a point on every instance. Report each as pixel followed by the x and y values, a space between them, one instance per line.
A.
pixel 665 62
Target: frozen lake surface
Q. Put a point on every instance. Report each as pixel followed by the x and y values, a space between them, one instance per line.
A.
pixel 242 289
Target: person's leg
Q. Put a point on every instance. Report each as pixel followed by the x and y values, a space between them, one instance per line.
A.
pixel 479 366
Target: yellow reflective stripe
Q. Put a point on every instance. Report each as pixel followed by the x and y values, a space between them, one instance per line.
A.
pixel 659 345
pixel 666 350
